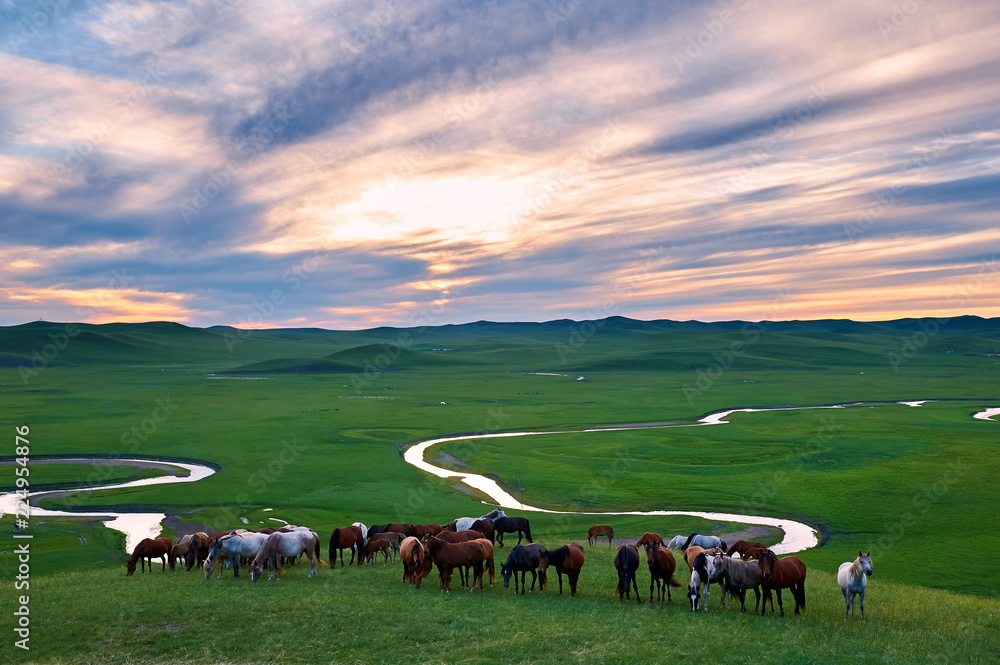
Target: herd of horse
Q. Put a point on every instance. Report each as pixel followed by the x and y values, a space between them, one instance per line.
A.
pixel 467 545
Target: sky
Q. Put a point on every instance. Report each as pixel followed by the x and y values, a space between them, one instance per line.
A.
pixel 347 164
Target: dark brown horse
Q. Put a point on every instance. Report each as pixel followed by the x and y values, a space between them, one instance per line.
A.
pixel 485 524
pixel 197 550
pixel 744 546
pixel 786 573
pixel 348 537
pixel 416 566
pixel 522 559
pixel 627 563
pixel 449 556
pixel 460 536
pixel 566 559
pixel 404 528
pixel 600 531
pixel 371 549
pixel 421 530
pixel 150 548
pixel 661 571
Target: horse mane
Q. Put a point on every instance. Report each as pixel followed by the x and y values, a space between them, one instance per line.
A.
pixel 688 541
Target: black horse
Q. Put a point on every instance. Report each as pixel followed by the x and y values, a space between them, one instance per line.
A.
pixel 627 563
pixel 504 525
pixel 522 559
pixel 485 525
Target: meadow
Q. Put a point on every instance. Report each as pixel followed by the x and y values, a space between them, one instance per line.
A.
pixel 309 427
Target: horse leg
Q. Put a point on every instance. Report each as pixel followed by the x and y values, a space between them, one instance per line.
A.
pixel 652 579
pixel 635 586
pixel 861 594
pixel 559 575
pixel 781 606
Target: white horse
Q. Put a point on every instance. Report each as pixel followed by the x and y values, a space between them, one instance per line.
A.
pixel 677 542
pixel 853 577
pixel 234 546
pixel 465 523
pixel 280 544
pixel 707 542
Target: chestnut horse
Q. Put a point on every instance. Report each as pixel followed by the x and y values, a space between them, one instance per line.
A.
pixel 460 536
pixel 150 548
pixel 348 537
pixel 627 563
pixel 416 566
pixel 649 538
pixel 744 546
pixel 661 571
pixel 371 549
pixel 600 531
pixel 180 549
pixel 488 565
pixel 448 556
pixel 566 559
pixel 197 550
pixel 421 530
pixel 785 573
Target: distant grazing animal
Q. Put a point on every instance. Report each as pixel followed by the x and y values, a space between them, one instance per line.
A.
pixel 853 577
pixel 738 576
pixel 235 546
pixel 394 539
pixel 371 549
pixel 281 544
pixel 416 566
pixel 150 548
pixel 449 556
pixel 677 543
pixel 704 541
pixel 510 525
pixel 600 531
pixel 627 564
pixel 661 571
pixel 522 559
pixel 743 546
pixel 421 530
pixel 347 538
pixel 703 574
pixel 649 539
pixel 460 536
pixel 566 559
pixel 197 550
pixel 786 573
pixel 465 523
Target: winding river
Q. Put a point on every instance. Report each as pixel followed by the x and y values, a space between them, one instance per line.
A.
pixel 136 526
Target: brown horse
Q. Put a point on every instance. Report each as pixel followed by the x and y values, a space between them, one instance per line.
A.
pixel 627 563
pixel 150 548
pixel 197 550
pixel 416 566
pixel 404 528
pixel 566 559
pixel 649 539
pixel 744 546
pixel 460 536
pixel 600 531
pixel 661 571
pixel 485 524
pixel 448 556
pixel 394 539
pixel 421 530
pixel 488 564
pixel 785 573
pixel 349 537
pixel 180 549
pixel 371 549
pixel 753 553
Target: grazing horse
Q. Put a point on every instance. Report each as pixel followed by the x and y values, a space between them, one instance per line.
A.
pixel 416 566
pixel 649 538
pixel 197 550
pixel 180 549
pixel 488 563
pixel 703 574
pixel 627 564
pixel 342 539
pixel 522 559
pixel 421 530
pixel 743 546
pixel 677 543
pixel 853 577
pixel 600 531
pixel 281 544
pixel 661 571
pixel 738 576
pixel 235 546
pixel 448 556
pixel 485 524
pixel 460 536
pixel 394 539
pixel 786 573
pixel 703 541
pixel 371 549
pixel 566 559
pixel 151 548
pixel 510 525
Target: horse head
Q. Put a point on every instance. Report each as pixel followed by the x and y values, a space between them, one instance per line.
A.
pixel 129 568
pixel 767 563
pixel 866 563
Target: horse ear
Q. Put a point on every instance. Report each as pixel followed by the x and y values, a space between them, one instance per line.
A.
pixel 869 555
pixel 859 553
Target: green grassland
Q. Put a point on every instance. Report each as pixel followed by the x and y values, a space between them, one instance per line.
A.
pixel 312 424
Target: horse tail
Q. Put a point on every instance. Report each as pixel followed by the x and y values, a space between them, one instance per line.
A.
pixel 723 545
pixel 318 559
pixel 674 583
pixel 688 541
pixel 334 542
pixel 527 530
